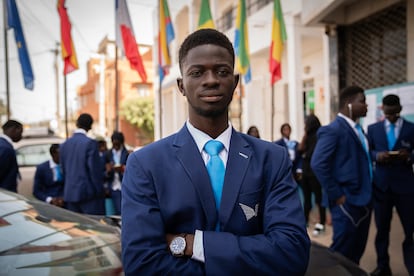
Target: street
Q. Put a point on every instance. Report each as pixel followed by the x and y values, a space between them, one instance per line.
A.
pixel 368 261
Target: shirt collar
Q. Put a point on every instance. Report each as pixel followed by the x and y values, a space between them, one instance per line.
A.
pixel 7 138
pixel 52 164
pixel 348 120
pixel 80 130
pixel 397 124
pixel 201 138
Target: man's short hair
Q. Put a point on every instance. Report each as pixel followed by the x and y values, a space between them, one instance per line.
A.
pixel 203 37
pixel 348 94
pixel 53 148
pixel 11 124
pixel 84 121
pixel 117 135
pixel 391 99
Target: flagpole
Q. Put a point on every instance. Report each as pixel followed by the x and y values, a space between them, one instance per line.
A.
pixel 241 105
pixel 65 89
pixel 6 60
pixel 116 89
pixel 160 105
pixel 272 113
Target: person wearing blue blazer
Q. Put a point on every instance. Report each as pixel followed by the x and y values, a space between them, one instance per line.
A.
pixel 116 160
pixel 209 200
pixel 342 165
pixel 48 180
pixel 292 148
pixel 79 156
pixel 9 169
pixel 392 149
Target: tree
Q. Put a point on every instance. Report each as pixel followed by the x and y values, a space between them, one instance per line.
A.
pixel 139 112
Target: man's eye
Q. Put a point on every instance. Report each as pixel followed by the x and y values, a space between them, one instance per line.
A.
pixel 223 73
pixel 195 73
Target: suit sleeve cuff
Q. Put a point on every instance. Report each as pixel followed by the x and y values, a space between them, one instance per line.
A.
pixel 198 247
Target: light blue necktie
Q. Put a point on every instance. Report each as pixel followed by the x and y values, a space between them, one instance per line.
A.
pixel 361 136
pixel 216 170
pixel 391 137
pixel 58 173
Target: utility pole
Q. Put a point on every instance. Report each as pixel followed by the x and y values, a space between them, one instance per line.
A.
pixel 56 65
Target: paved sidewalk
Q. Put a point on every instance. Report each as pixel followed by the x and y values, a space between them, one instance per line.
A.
pixel 368 261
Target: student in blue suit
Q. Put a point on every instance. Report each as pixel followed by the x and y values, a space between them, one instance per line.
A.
pixel 81 166
pixel 292 148
pixel 48 179
pixel 9 169
pixel 342 165
pixel 174 222
pixel 392 148
pixel 116 160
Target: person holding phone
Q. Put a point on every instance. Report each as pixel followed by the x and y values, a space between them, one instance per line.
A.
pixel 392 149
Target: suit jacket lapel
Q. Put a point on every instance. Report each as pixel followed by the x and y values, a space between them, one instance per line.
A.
pixel 190 158
pixel 346 126
pixel 238 161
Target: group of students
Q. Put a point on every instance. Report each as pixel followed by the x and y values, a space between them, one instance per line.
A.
pixel 359 173
pixel 83 164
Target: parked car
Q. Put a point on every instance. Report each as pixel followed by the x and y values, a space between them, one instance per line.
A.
pixel 30 152
pixel 37 238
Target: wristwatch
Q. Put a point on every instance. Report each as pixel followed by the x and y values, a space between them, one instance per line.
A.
pixel 177 246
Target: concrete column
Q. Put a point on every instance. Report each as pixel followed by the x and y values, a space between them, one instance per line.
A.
pixel 331 87
pixel 410 40
pixel 294 54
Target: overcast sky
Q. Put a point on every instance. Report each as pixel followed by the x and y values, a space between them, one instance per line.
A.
pixel 91 20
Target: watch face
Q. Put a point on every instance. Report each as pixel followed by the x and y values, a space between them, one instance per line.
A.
pixel 177 246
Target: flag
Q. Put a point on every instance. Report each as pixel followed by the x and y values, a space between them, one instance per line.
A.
pixel 68 49
pixel 13 22
pixel 241 43
pixel 165 36
pixel 278 38
pixel 125 38
pixel 205 20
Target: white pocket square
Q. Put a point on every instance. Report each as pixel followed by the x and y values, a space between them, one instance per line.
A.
pixel 248 211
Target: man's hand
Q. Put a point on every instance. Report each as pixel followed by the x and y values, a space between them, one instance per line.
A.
pixel 341 200
pixel 57 201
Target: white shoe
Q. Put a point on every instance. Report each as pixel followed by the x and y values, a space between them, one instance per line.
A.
pixel 319 229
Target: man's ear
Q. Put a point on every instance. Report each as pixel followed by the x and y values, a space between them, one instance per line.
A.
pixel 180 86
pixel 236 80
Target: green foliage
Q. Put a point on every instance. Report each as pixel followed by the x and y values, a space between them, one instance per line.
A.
pixel 139 112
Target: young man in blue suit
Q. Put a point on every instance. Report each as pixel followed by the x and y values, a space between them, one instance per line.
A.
pixel 292 148
pixel 174 222
pixel 392 148
pixel 342 165
pixel 81 166
pixel 9 169
pixel 48 180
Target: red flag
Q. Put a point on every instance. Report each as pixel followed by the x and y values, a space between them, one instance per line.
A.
pixel 68 49
pixel 124 30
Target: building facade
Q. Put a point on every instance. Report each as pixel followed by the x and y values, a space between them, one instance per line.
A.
pixel 331 44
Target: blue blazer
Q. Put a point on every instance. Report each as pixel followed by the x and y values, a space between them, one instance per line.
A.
pixel 110 158
pixel 297 162
pixel 397 175
pixel 9 170
pixel 81 167
pixel 341 164
pixel 166 189
pixel 44 186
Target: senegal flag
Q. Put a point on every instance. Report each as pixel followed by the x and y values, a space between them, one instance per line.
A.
pixel 278 38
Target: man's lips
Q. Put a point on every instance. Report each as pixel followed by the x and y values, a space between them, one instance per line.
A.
pixel 211 98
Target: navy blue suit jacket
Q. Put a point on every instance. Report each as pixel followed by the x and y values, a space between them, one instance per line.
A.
pixel 166 189
pixel 341 164
pixel 110 158
pixel 9 170
pixel 81 167
pixel 297 162
pixel 397 175
pixel 44 186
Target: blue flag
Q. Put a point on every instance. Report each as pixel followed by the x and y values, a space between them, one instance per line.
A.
pixel 13 22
